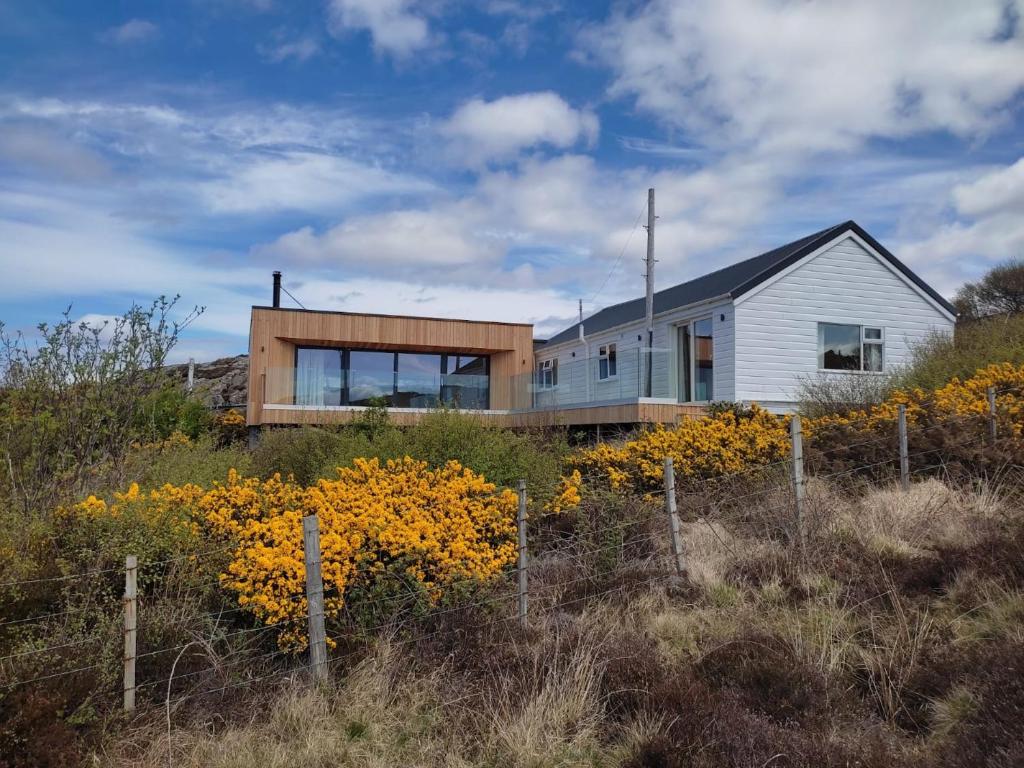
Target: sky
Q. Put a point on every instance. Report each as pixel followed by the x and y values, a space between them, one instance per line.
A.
pixel 488 159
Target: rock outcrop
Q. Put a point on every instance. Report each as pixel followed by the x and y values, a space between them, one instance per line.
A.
pixel 220 383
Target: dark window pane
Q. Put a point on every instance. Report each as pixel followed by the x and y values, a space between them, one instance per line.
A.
pixel 371 375
pixel 838 347
pixel 703 360
pixel 419 380
pixel 318 379
pixel 684 363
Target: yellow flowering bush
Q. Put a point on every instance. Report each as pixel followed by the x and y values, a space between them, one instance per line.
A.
pixel 700 448
pixel 432 528
pixel 956 399
pixel 399 522
pixel 568 496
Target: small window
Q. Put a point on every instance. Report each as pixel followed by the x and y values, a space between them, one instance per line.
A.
pixel 850 348
pixel 547 374
pixel 606 363
pixel 874 347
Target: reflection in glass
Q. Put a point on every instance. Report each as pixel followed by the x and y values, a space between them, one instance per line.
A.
pixel 838 347
pixel 419 379
pixel 466 382
pixel 371 375
pixel 703 361
pixel 318 379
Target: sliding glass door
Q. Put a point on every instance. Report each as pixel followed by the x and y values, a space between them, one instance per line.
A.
pixel 695 351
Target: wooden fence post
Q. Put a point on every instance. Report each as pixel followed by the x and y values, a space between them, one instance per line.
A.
pixel 191 374
pixel 131 628
pixel 314 597
pixel 521 526
pixel 992 427
pixel 673 518
pixel 797 440
pixel 904 455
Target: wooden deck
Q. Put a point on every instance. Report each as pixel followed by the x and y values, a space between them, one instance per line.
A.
pixel 585 415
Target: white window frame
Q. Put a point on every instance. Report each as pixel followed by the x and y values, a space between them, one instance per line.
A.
pixel 547 374
pixel 608 355
pixel 864 341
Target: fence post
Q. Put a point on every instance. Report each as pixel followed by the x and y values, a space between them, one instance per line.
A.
pixel 314 596
pixel 797 440
pixel 521 526
pixel 992 428
pixel 673 518
pixel 904 455
pixel 191 373
pixel 131 628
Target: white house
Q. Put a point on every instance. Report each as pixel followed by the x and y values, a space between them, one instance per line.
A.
pixel 835 302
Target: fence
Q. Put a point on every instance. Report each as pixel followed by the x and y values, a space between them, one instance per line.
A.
pixel 652 540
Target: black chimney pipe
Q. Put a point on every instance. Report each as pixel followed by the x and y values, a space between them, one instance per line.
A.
pixel 277 289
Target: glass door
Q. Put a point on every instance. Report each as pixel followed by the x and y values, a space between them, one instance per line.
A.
pixel 695 361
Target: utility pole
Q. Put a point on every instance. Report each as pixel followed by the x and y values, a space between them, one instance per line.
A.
pixel 649 277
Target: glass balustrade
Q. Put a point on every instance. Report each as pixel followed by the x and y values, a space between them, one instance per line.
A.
pixel 411 381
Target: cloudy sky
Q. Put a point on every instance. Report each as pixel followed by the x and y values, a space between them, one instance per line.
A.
pixel 487 159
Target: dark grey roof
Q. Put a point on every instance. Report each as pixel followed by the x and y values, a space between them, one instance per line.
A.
pixel 733 281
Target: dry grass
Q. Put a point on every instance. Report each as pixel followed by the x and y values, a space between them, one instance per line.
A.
pixel 762 656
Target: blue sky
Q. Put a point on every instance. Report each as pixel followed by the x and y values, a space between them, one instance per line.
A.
pixel 487 159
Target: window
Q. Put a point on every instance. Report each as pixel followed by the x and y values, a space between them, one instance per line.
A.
pixel 850 348
pixel 361 377
pixel 606 364
pixel 547 374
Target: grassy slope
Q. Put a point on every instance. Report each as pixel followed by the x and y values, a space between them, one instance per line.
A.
pixel 889 642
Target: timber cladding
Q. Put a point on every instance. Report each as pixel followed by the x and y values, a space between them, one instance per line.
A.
pixel 275 333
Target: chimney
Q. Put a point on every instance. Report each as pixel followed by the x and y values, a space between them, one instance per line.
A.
pixel 277 289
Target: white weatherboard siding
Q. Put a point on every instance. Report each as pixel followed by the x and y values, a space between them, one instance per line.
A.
pixel 776 331
pixel 574 372
pixel 666 359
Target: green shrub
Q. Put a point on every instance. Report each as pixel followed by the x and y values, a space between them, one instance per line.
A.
pixel 301 452
pixel 168 410
pixel 974 345
pixel 201 462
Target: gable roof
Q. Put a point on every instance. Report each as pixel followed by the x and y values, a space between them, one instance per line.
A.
pixel 735 280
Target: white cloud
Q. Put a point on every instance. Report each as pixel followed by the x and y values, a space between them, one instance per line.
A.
pixel 40 150
pixel 416 239
pixel 803 77
pixel 395 26
pixel 133 31
pixel 988 228
pixel 486 130
pixel 300 181
pixel 300 49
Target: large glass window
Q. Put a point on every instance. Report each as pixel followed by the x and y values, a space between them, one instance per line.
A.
pixel 850 348
pixel 400 379
pixel 466 381
pixel 371 377
pixel 419 381
pixel 318 377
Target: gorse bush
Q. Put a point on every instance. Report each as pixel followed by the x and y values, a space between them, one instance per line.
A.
pixel 396 526
pixel 700 448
